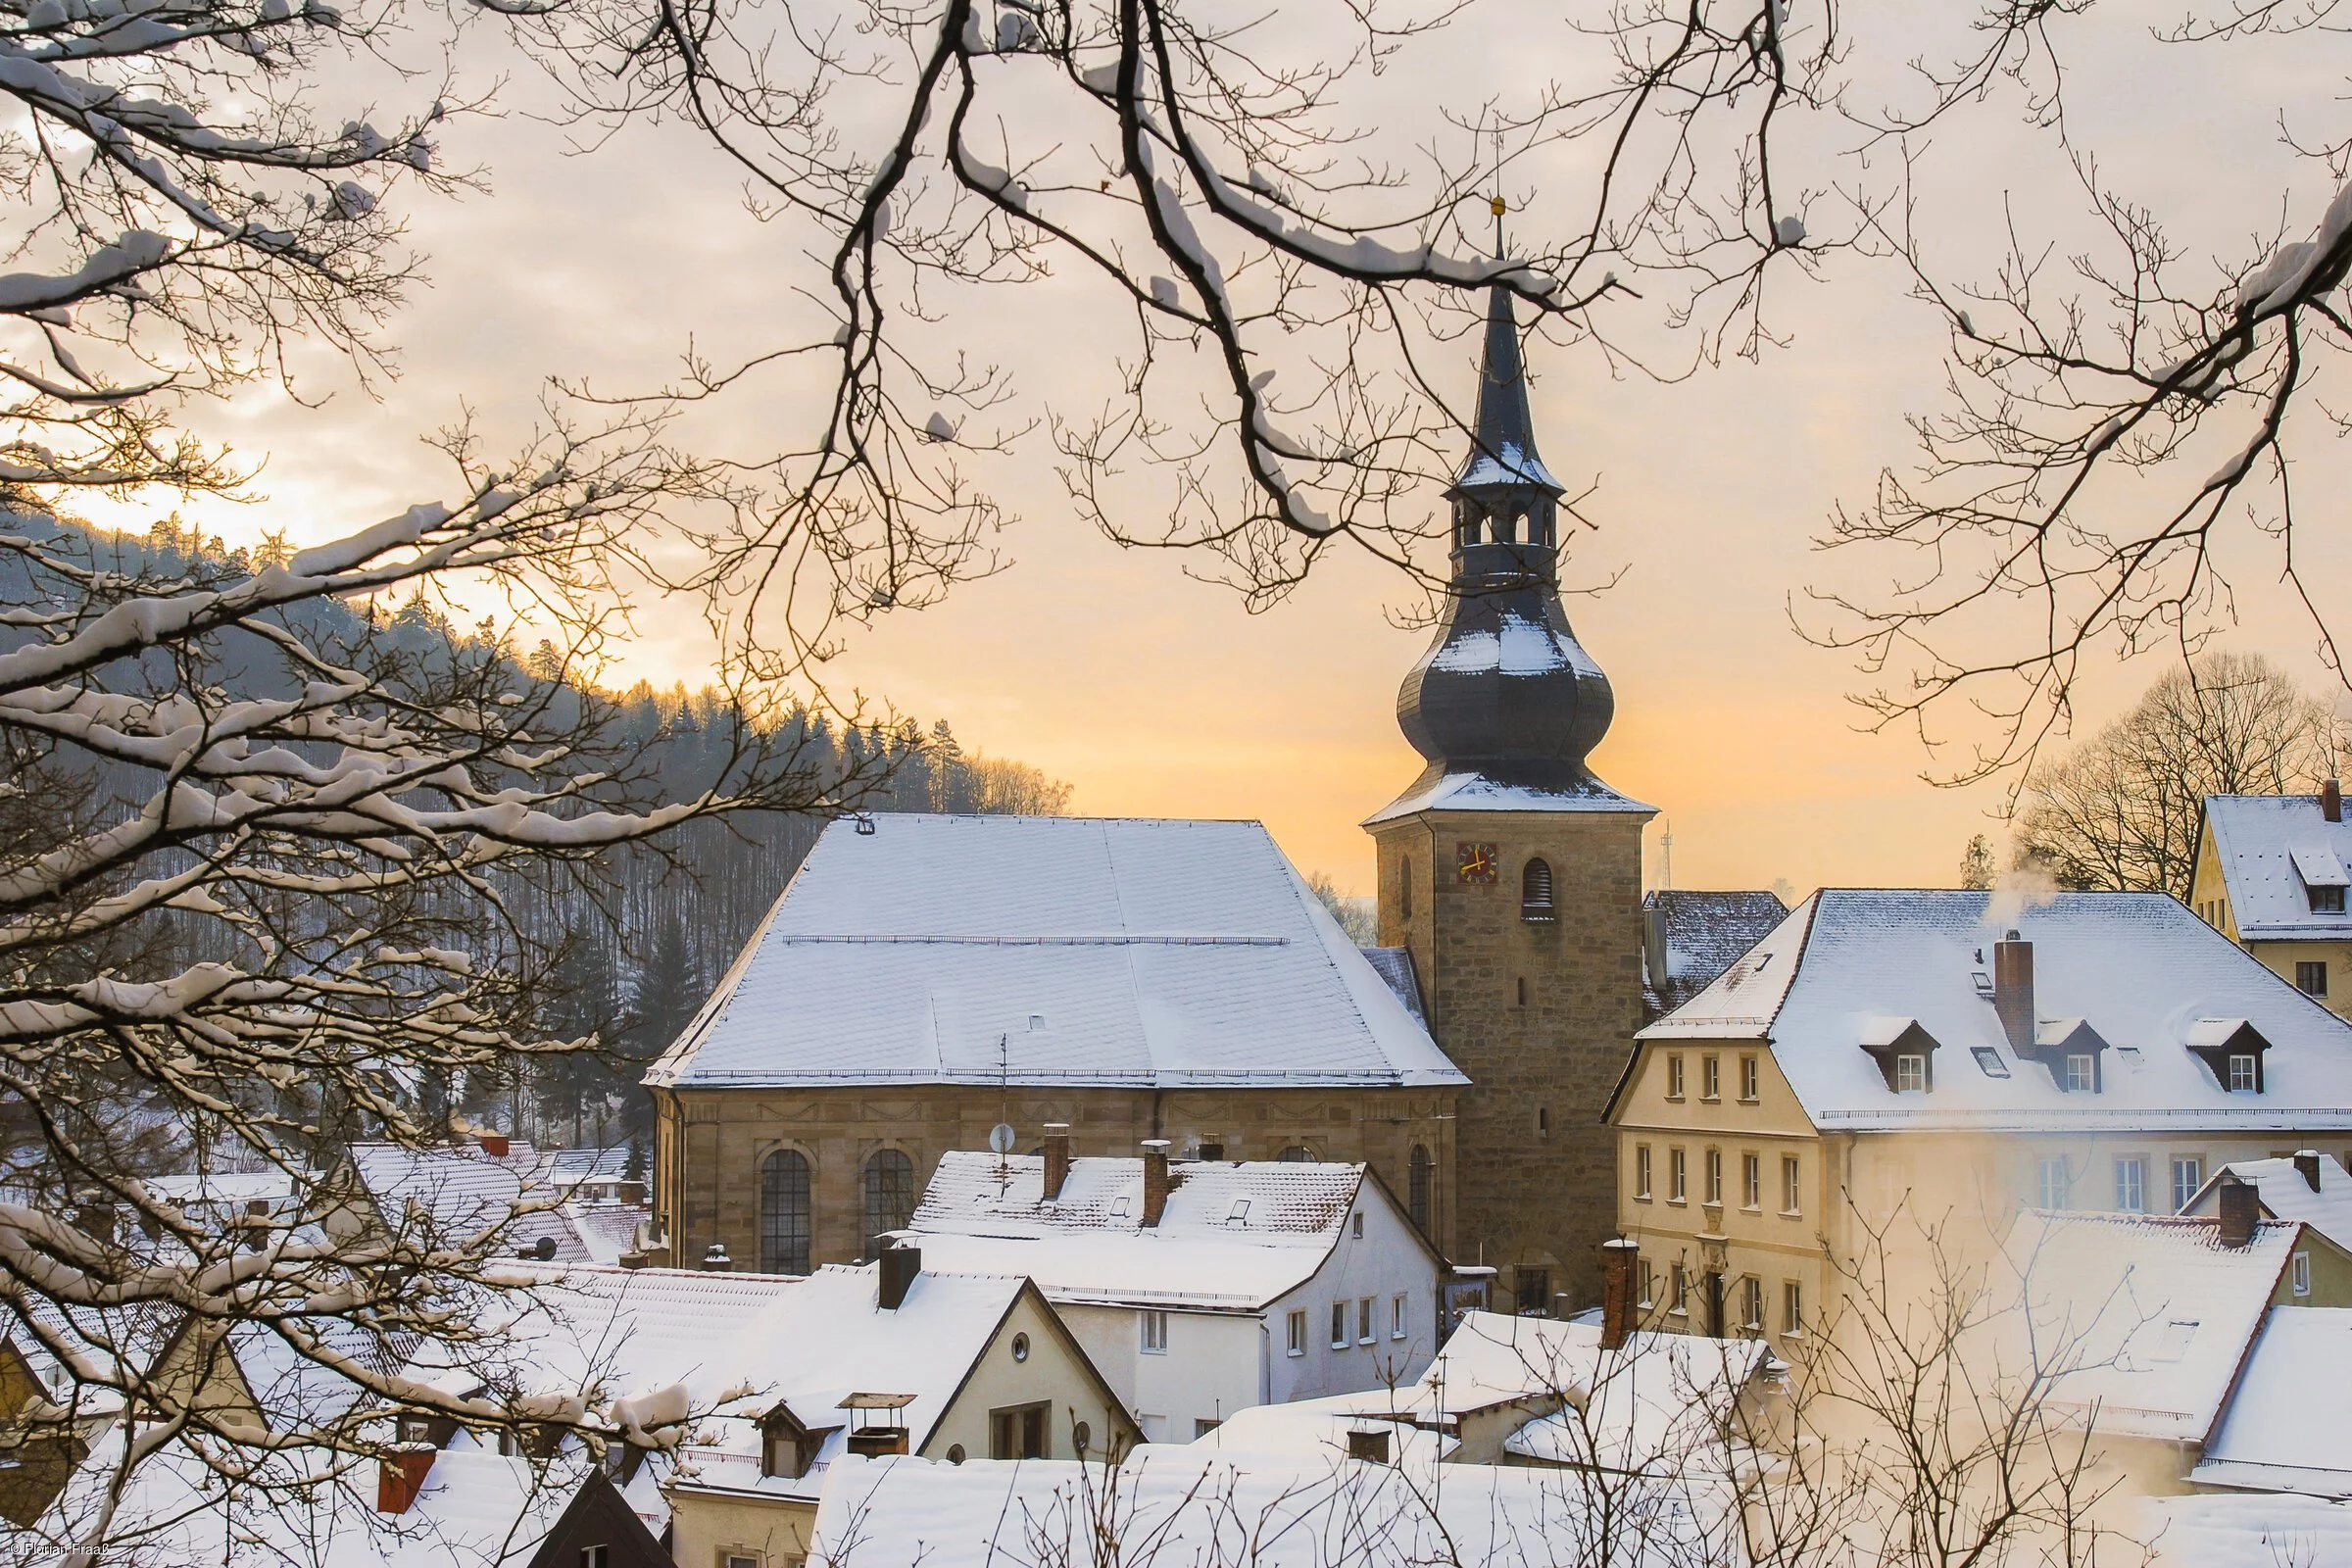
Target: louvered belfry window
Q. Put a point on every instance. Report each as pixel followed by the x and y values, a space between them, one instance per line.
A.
pixel 1535 890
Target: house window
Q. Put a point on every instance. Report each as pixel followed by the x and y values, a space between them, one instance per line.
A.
pixel 1751 1305
pixel 784 1213
pixel 1543 1121
pixel 737 1559
pixel 1710 1078
pixel 2241 1074
pixel 1680 1301
pixel 1747 1079
pixel 2312 978
pixel 2055 1187
pixel 1156 1333
pixel 1416 1187
pixel 1535 892
pixel 1018 1431
pixel 1204 1425
pixel 889 1195
pixel 2081 1072
pixel 1678 1176
pixel 1521 983
pixel 1674 1077
pixel 1533 1291
pixel 1910 1073
pixel 1790 1189
pixel 1642 1172
pixel 1296 1154
pixel 1364 1321
pixel 1339 1325
pixel 1298 1340
pixel 1355 1227
pixel 1792 1308
pixel 2131 1187
pixel 1649 1285
pixel 591 1556
pixel 1715 1176
pixel 2301 1274
pixel 2326 901
pixel 1751 1181
pixel 1396 1315
pixel 2188 1176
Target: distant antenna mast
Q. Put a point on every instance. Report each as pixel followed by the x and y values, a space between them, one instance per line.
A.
pixel 1666 847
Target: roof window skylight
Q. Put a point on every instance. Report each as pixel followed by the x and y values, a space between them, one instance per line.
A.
pixel 1991 1060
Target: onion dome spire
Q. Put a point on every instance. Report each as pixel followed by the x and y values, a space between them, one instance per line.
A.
pixel 1506 705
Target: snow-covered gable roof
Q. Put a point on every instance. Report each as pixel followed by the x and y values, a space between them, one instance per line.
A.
pixel 2147 977
pixel 1233 1234
pixel 2286 1194
pixel 2272 848
pixel 2223 1530
pixel 2148 1317
pixel 1692 936
pixel 1058 950
pixel 2289 1426
pixel 464 1190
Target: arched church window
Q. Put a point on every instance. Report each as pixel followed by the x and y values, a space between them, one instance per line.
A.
pixel 1535 889
pixel 889 1195
pixel 784 1213
pixel 1296 1153
pixel 1416 1187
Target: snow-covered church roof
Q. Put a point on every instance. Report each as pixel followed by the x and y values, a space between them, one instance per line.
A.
pixel 1050 950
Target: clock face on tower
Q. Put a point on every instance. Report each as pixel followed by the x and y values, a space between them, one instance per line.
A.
pixel 1475 863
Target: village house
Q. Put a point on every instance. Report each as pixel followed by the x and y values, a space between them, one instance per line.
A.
pixel 1200 1288
pixel 1887 1052
pixel 2305 1186
pixel 2270 874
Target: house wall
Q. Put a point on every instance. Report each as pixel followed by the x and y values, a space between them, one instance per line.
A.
pixel 1214 1366
pixel 2209 900
pixel 710 1143
pixel 1534 1175
pixel 706 1526
pixel 1383 1265
pixel 1056 1371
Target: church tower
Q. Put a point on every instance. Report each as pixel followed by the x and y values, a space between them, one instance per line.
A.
pixel 1512 874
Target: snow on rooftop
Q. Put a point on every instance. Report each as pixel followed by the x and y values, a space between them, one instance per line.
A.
pixel 1233 1235
pixel 2272 848
pixel 464 1189
pixel 1692 936
pixel 2146 1317
pixel 1471 791
pixel 1064 950
pixel 2144 974
pixel 2289 1426
pixel 2246 1531
pixel 2286 1194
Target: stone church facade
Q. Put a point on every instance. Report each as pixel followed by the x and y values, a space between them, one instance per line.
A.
pixel 816 1087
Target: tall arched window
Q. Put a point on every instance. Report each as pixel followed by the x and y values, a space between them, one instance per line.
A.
pixel 784 1213
pixel 889 1195
pixel 1295 1153
pixel 1535 890
pixel 1416 1188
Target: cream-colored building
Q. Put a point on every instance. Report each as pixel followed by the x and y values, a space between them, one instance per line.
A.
pixel 1885 1053
pixel 2272 873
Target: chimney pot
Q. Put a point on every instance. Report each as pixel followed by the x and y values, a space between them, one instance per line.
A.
pixel 899 1268
pixel 1620 1292
pixel 2332 800
pixel 1155 1180
pixel 1057 1158
pixel 495 1145
pixel 2012 992
pixel 2239 1210
pixel 716 1259
pixel 2307 1166
pixel 400 1475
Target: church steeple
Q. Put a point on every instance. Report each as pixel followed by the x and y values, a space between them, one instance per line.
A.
pixel 1506 701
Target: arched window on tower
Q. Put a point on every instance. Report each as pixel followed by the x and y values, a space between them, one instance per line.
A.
pixel 1535 890
pixel 1416 1188
pixel 784 1213
pixel 888 1195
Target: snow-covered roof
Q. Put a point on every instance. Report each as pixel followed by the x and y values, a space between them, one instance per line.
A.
pixel 1310 1429
pixel 1058 950
pixel 2224 1530
pixel 2272 849
pixel 2145 975
pixel 1233 1234
pixel 1471 791
pixel 2288 1425
pixel 2285 1194
pixel 569 1168
pixel 464 1190
pixel 1692 936
pixel 1202 1504
pixel 1395 966
pixel 2148 1317
pixel 605 1229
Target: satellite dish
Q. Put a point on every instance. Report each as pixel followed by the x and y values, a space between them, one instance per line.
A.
pixel 1002 1137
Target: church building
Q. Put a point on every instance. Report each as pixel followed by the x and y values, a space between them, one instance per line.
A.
pixel 926 978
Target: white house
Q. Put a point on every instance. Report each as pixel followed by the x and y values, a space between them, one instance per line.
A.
pixel 1203 1286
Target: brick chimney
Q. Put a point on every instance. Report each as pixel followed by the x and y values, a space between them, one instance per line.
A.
pixel 1155 1179
pixel 2013 990
pixel 1057 1158
pixel 716 1259
pixel 2307 1166
pixel 1620 1291
pixel 400 1475
pixel 2332 800
pixel 899 1268
pixel 495 1145
pixel 2240 1211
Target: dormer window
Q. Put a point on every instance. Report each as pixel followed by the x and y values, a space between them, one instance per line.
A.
pixel 1911 1073
pixel 2244 1071
pixel 2232 1050
pixel 2081 1072
pixel 1904 1051
pixel 2325 899
pixel 2323 878
pixel 2070 1048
